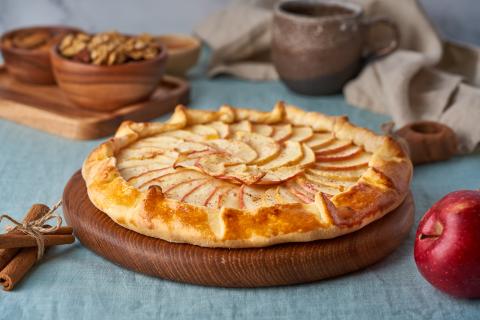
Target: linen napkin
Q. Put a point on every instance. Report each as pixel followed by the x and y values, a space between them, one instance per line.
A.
pixel 427 78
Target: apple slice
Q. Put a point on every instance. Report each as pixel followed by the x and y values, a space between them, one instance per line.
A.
pixel 240 195
pixel 342 176
pixel 123 161
pixel 236 149
pixel 133 170
pixel 134 174
pixel 250 196
pixel 147 174
pixel 213 165
pixel 306 185
pixel 200 194
pixel 229 198
pixel 279 175
pixel 146 153
pixel 140 160
pixel 150 155
pixel 207 132
pixel 301 134
pixel 189 160
pixel 263 129
pixel 179 190
pixel 269 197
pixel 143 184
pixel 182 134
pixel 242 174
pixel 217 198
pixel 188 147
pixel 140 151
pixel 345 154
pixel 281 132
pixel 223 129
pixel 335 147
pixel 357 162
pixel 161 142
pixel 308 157
pixel 319 140
pixel 283 196
pixel 328 181
pixel 198 154
pixel 169 182
pixel 265 147
pixel 243 125
pixel 326 186
pixel 149 150
pixel 303 194
pixel 216 194
pixel 195 191
pixel 212 197
pixel 292 153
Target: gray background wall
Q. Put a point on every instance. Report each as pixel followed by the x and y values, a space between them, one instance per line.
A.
pixel 456 19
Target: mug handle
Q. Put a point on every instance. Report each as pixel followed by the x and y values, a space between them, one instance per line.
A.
pixel 369 25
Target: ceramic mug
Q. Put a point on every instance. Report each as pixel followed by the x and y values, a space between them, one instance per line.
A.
pixel 317 46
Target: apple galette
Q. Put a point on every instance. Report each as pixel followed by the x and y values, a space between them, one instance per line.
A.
pixel 245 178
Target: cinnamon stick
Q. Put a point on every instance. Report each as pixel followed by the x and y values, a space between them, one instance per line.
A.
pixel 25 258
pixel 12 240
pixel 36 212
pixel 18 268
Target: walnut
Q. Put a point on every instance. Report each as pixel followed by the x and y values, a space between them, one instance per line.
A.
pixel 73 44
pixel 83 56
pixel 31 39
pixel 108 48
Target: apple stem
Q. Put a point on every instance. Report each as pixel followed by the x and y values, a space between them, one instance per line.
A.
pixel 427 236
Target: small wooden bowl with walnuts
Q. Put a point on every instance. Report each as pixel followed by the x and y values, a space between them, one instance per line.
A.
pixel 108 70
pixel 26 52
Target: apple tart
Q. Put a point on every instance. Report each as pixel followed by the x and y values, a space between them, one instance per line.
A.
pixel 244 178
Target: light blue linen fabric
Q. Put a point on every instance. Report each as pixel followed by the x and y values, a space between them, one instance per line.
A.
pixel 74 283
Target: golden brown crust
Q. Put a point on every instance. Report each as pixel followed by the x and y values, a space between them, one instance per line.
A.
pixel 380 189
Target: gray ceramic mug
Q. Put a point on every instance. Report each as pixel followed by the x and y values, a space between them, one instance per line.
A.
pixel 317 46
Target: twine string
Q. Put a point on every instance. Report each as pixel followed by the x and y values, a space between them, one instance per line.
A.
pixel 37 228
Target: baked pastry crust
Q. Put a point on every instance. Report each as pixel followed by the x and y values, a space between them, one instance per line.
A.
pixel 380 188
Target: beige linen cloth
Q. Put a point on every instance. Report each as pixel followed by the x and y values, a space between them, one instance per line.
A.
pixel 427 78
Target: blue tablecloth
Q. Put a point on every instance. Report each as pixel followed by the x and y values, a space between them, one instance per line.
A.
pixel 74 283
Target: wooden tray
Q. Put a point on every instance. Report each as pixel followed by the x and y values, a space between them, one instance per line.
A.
pixel 257 267
pixel 47 108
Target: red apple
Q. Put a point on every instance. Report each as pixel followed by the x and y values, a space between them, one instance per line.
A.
pixel 447 244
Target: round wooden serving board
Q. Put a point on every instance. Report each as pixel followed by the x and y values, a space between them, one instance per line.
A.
pixel 256 267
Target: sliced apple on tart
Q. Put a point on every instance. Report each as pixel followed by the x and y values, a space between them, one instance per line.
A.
pixel 282 132
pixel 291 153
pixel 301 134
pixel 263 129
pixel 265 147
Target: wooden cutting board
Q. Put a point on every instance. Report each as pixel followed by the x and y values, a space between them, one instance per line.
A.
pixel 283 264
pixel 46 108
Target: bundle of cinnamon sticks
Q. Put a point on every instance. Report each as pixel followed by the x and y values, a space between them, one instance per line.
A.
pixel 19 251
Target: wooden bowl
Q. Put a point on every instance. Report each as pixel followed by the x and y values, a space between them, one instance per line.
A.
pixel 106 88
pixel 31 65
pixel 429 141
pixel 183 52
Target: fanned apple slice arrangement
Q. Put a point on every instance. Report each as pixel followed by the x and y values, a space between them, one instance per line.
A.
pixel 241 177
